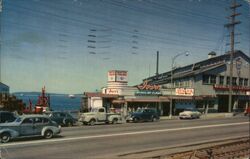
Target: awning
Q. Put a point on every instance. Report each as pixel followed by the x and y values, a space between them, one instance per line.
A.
pixel 118 101
pixel 147 100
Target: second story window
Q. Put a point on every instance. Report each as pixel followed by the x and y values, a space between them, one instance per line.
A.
pixel 234 83
pixel 205 79
pixel 228 80
pixel 221 80
pixel 212 79
pixel 245 82
pixel 241 82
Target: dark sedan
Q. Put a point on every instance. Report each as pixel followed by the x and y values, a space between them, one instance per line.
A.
pixel 62 118
pixel 143 115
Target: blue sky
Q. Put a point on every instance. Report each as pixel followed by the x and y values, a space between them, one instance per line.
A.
pixel 70 45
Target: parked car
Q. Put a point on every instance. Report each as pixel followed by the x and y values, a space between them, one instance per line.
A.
pixel 189 114
pixel 29 125
pixel 99 115
pixel 6 117
pixel 147 114
pixel 62 118
pixel 247 111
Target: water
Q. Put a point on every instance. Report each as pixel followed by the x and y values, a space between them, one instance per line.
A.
pixel 57 102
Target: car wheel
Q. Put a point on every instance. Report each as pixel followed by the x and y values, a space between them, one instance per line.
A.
pixel 68 123
pixel 5 137
pixel 135 120
pixel 153 119
pixel 92 122
pixel 48 134
pixel 114 121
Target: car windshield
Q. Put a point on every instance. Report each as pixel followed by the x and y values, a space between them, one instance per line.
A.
pixel 139 110
pixel 94 110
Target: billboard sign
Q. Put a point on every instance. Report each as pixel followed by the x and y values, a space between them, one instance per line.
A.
pixel 184 91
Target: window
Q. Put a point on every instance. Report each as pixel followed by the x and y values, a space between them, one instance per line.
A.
pixel 228 80
pixel 205 79
pixel 38 120
pixel 45 120
pixel 234 79
pixel 241 81
pixel 101 110
pixel 245 82
pixel 27 121
pixel 221 80
pixel 212 79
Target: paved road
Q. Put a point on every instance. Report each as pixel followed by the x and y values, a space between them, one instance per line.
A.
pixel 110 141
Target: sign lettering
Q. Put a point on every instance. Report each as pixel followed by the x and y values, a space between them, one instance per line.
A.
pixel 146 86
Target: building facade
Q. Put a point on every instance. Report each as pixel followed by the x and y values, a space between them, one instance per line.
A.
pixel 203 85
pixel 209 81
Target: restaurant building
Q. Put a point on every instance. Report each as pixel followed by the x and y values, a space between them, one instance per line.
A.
pixel 203 85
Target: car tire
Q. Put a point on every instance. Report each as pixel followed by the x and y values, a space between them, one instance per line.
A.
pixel 153 119
pixel 114 121
pixel 135 120
pixel 48 134
pixel 92 122
pixel 69 124
pixel 5 137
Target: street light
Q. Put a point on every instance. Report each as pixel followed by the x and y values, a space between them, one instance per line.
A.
pixel 186 53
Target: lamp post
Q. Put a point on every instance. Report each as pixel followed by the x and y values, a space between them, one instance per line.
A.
pixel 172 68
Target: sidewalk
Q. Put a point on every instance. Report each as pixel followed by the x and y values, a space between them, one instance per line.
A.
pixel 203 116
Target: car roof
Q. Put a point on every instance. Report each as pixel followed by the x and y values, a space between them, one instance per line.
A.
pixel 33 116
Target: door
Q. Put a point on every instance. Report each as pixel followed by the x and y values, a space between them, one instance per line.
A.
pixel 38 125
pixel 27 127
pixel 101 114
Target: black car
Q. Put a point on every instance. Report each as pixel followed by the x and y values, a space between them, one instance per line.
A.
pixel 6 117
pixel 143 115
pixel 62 118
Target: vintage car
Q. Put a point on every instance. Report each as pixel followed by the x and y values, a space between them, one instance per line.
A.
pixel 6 117
pixel 62 118
pixel 189 114
pixel 29 125
pixel 143 115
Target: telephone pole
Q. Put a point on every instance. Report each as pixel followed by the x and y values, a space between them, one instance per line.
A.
pixel 231 27
pixel 1 9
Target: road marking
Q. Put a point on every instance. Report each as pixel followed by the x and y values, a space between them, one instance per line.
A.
pixel 119 134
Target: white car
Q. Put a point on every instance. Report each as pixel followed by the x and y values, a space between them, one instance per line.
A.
pixel 190 114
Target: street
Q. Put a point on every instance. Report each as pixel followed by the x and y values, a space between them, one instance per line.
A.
pixel 110 141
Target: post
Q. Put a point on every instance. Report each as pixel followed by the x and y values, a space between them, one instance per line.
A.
pixel 171 81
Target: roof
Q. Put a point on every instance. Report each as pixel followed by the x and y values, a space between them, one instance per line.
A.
pixel 99 94
pixel 196 68
pixel 4 84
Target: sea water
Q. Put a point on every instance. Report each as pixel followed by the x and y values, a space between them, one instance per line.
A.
pixel 58 102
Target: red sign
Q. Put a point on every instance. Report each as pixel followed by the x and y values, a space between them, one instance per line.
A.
pixel 146 86
pixel 236 88
pixel 184 91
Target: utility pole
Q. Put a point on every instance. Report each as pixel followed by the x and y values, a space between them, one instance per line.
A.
pixel 231 27
pixel 157 63
pixel 1 9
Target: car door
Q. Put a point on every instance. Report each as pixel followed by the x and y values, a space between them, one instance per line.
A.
pixel 145 114
pixel 101 114
pixel 27 127
pixel 38 125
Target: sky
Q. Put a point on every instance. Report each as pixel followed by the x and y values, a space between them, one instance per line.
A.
pixel 68 46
